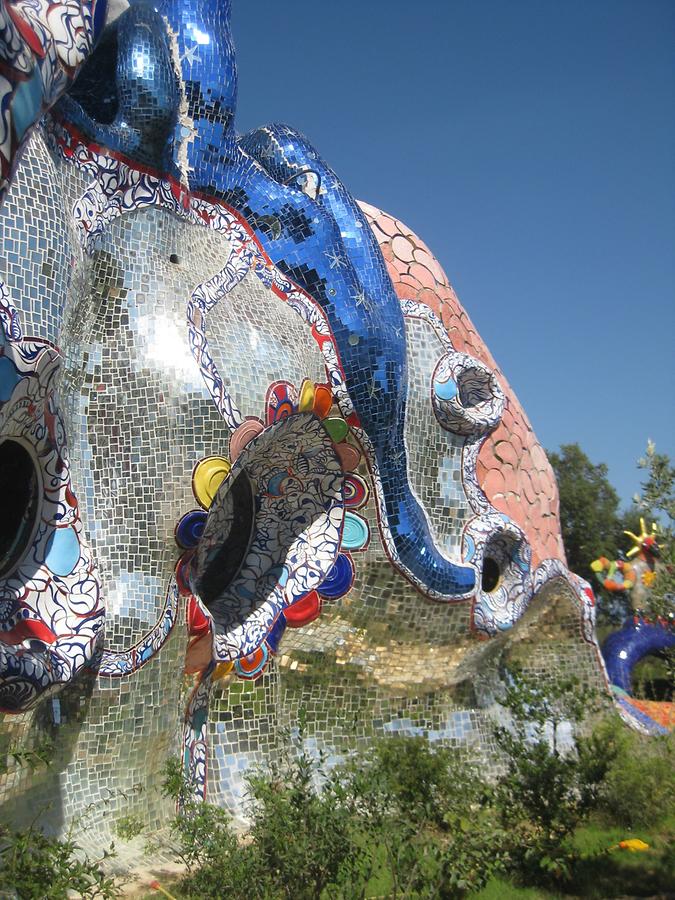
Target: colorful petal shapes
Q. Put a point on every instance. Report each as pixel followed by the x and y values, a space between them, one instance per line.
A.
pixel 355 532
pixel 208 475
pixel 190 528
pixel 304 611
pixel 248 430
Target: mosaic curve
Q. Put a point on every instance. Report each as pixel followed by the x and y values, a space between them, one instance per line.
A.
pixel 42 47
pixel 51 610
pixel 512 468
pixel 303 217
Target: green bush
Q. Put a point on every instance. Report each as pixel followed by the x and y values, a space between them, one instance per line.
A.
pixel 128 827
pixel 36 867
pixel 302 841
pixel 549 787
pixel 639 788
pixel 408 819
pixel 430 813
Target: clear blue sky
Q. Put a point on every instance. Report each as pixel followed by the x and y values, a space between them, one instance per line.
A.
pixel 531 144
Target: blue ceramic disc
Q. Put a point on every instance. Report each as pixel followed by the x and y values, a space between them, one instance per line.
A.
pixel 190 529
pixel 339 579
pixel 355 532
pixel 276 633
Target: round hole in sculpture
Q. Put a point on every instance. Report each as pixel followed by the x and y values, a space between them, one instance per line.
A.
pixel 650 678
pixel 500 561
pixel 229 532
pixel 19 501
pixel 474 387
pixel 491 574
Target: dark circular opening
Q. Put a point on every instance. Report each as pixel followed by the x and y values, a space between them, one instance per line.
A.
pixel 232 544
pixel 491 574
pixel 174 259
pixel 474 387
pixel 651 678
pixel 20 501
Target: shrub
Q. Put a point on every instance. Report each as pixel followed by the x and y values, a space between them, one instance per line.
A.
pixel 36 867
pixel 410 818
pixel 431 813
pixel 639 789
pixel 302 841
pixel 128 827
pixel 550 786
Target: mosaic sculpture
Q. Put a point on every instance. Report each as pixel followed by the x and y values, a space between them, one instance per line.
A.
pixel 256 457
pixel 639 636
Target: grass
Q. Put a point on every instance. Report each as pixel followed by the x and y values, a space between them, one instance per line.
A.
pixel 499 889
pixel 641 874
pixel 618 873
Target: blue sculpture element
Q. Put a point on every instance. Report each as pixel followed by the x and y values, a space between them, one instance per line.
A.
pixel 305 219
pixel 625 648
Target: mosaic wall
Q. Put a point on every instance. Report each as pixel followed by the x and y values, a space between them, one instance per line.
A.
pixel 254 457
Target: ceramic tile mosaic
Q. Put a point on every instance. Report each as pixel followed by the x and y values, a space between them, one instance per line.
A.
pixel 255 458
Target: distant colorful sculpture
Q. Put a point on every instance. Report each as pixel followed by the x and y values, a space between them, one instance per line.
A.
pixel 639 637
pixel 633 578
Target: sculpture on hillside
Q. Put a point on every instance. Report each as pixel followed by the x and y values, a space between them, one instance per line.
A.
pixel 632 578
pixel 269 419
pixel 640 635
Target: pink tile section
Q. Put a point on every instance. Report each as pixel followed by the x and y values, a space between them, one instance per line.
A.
pixel 512 467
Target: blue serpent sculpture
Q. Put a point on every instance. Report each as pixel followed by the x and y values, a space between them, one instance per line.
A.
pixel 305 219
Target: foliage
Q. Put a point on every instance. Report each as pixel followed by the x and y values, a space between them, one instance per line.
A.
pixel 431 815
pixel 302 840
pixel 409 816
pixel 211 853
pixel 32 758
pixel 553 775
pixel 601 873
pixel 325 850
pixel 34 866
pixel 639 788
pixel 657 500
pixel 410 819
pixel 589 508
pixel 658 491
pixel 128 827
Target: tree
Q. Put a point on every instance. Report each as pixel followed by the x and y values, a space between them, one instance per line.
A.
pixel 589 509
pixel 658 491
pixel 657 502
pixel 592 525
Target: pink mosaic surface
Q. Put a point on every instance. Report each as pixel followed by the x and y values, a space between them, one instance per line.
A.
pixel 512 470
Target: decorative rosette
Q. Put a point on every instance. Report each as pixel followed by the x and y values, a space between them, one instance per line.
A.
pixel 614 575
pixel 275 533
